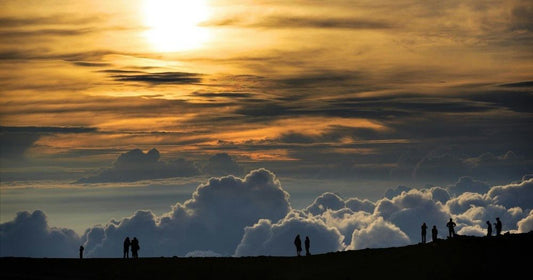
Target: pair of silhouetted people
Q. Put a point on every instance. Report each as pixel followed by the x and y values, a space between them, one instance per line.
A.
pixel 134 244
pixel 424 228
pixel 451 228
pixel 298 245
pixel 497 225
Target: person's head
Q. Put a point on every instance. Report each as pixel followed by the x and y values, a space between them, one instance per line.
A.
pixel 497 219
pixel 451 219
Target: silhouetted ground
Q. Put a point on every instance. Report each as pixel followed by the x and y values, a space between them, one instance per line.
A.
pixel 508 257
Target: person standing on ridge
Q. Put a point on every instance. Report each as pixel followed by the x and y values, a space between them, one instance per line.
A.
pixel 135 248
pixel 307 245
pixel 489 229
pixel 451 228
pixel 434 233
pixel 81 251
pixel 127 244
pixel 298 244
pixel 424 228
pixel 498 227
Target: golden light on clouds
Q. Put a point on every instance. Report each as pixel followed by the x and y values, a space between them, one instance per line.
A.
pixel 173 25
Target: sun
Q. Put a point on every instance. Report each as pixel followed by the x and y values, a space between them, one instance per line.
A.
pixel 173 25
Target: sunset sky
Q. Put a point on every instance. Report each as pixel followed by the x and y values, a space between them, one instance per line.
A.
pixel 110 107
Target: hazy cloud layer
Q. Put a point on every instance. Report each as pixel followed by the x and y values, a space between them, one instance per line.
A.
pixel 137 165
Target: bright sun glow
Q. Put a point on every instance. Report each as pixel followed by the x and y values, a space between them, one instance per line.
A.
pixel 173 24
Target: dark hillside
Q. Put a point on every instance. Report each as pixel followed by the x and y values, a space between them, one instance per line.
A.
pixel 463 257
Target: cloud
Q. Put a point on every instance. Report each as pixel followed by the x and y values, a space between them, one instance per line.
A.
pixel 513 195
pixel 284 21
pixel 202 254
pixel 526 224
pixel 355 204
pixel 252 216
pixel 221 164
pixel 276 239
pixel 468 184
pixel 29 235
pixel 16 140
pixel 392 192
pixel 409 210
pixel 212 220
pixel 136 165
pixel 379 234
pixel 326 201
pixel 177 78
pixel 524 84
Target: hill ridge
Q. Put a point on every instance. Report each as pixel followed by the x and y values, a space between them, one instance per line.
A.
pixel 456 258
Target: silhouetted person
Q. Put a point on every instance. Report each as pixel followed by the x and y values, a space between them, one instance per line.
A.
pixel 498 227
pixel 127 244
pixel 307 245
pixel 424 227
pixel 81 252
pixel 451 228
pixel 489 229
pixel 298 244
pixel 434 233
pixel 135 248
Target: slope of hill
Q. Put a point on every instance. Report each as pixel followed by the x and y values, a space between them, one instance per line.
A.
pixel 508 256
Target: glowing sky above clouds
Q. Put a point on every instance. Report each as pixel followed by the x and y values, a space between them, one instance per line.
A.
pixel 350 97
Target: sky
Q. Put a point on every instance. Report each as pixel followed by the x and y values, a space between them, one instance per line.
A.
pixel 225 127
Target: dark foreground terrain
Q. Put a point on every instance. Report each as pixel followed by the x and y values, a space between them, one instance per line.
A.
pixel 506 257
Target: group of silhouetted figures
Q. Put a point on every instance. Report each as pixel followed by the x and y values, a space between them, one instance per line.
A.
pixel 128 244
pixel 134 243
pixel 451 229
pixel 298 244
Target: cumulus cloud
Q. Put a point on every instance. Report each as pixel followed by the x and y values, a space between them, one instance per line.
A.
pixel 356 204
pixel 392 192
pixel 326 201
pixel 212 220
pixel 468 184
pixel 267 238
pixel 252 216
pixel 379 234
pixel 410 209
pixel 512 195
pixel 137 165
pixel 526 224
pixel 29 235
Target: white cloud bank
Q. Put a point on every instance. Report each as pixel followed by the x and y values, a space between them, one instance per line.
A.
pixel 252 216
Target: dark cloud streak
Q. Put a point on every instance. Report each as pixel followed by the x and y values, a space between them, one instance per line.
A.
pixel 285 22
pixel 160 78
